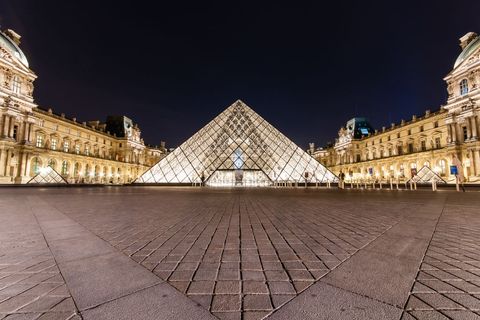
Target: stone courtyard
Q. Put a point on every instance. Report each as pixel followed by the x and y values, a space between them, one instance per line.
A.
pixel 206 253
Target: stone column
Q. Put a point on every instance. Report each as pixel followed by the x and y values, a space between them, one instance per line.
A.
pixel 30 127
pixel 12 124
pixel 474 127
pixel 27 165
pixel 476 160
pixel 449 133
pixel 3 162
pixel 454 132
pixel 6 125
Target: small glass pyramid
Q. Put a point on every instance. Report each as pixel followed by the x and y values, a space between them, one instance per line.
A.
pixel 238 148
pixel 47 175
pixel 426 175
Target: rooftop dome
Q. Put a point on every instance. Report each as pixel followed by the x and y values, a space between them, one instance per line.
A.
pixel 467 51
pixel 9 45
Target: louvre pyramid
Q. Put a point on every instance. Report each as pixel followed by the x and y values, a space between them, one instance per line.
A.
pixel 47 175
pixel 426 175
pixel 238 147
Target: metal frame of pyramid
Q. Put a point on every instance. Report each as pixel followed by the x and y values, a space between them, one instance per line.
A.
pixel 237 143
pixel 47 175
pixel 426 175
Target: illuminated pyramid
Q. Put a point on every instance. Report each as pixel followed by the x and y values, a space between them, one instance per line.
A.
pixel 426 175
pixel 47 175
pixel 238 148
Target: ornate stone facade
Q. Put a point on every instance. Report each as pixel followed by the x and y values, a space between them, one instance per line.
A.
pixel 434 139
pixel 32 138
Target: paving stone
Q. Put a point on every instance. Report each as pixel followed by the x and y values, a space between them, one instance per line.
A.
pixel 224 302
pixel 257 302
pixel 228 287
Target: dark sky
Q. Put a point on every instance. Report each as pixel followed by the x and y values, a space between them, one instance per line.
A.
pixel 306 67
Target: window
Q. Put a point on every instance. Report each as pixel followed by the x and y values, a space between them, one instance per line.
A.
pixel 39 143
pixel 15 132
pixel 66 146
pixel 399 150
pixel 87 150
pixel 423 145
pixel 410 147
pixel 381 153
pixel 64 168
pixel 398 135
pixel 358 158
pixel 442 164
pixel 438 144
pixel 435 124
pixel 77 149
pixel 421 128
pixel 390 152
pixel 16 85
pixel 465 133
pixel 463 87
pixel 36 166
pixel 409 131
pixel 54 144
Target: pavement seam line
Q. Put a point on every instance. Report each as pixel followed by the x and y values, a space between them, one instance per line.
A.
pixel 77 311
pixel 423 258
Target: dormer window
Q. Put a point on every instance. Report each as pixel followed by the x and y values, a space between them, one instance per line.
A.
pixel 463 87
pixel 16 85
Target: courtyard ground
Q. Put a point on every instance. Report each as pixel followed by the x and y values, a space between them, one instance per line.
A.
pixel 202 253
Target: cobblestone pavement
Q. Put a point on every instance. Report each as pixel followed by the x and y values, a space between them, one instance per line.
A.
pixel 448 283
pixel 243 254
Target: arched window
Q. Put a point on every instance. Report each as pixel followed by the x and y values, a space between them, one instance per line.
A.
pixel 64 168
pixel 76 169
pixel 16 84
pixel 36 165
pixel 463 87
pixel 442 164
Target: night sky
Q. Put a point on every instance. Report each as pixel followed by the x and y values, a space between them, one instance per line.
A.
pixel 306 67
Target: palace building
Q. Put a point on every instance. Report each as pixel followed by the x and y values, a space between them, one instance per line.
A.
pixel 436 139
pixel 32 138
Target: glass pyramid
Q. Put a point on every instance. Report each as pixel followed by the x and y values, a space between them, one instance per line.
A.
pixel 426 175
pixel 238 148
pixel 47 175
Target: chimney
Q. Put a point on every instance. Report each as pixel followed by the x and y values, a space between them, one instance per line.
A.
pixel 15 37
pixel 466 39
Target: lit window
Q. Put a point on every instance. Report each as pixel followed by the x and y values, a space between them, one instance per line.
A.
pixel 77 149
pixel 36 166
pixel 66 146
pixel 54 144
pixel 443 167
pixel 463 87
pixel 39 142
pixel 64 168
pixel 16 85
pixel 87 151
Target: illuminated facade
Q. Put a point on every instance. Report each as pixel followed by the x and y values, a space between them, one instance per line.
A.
pixel 238 148
pixel 32 138
pixel 432 140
